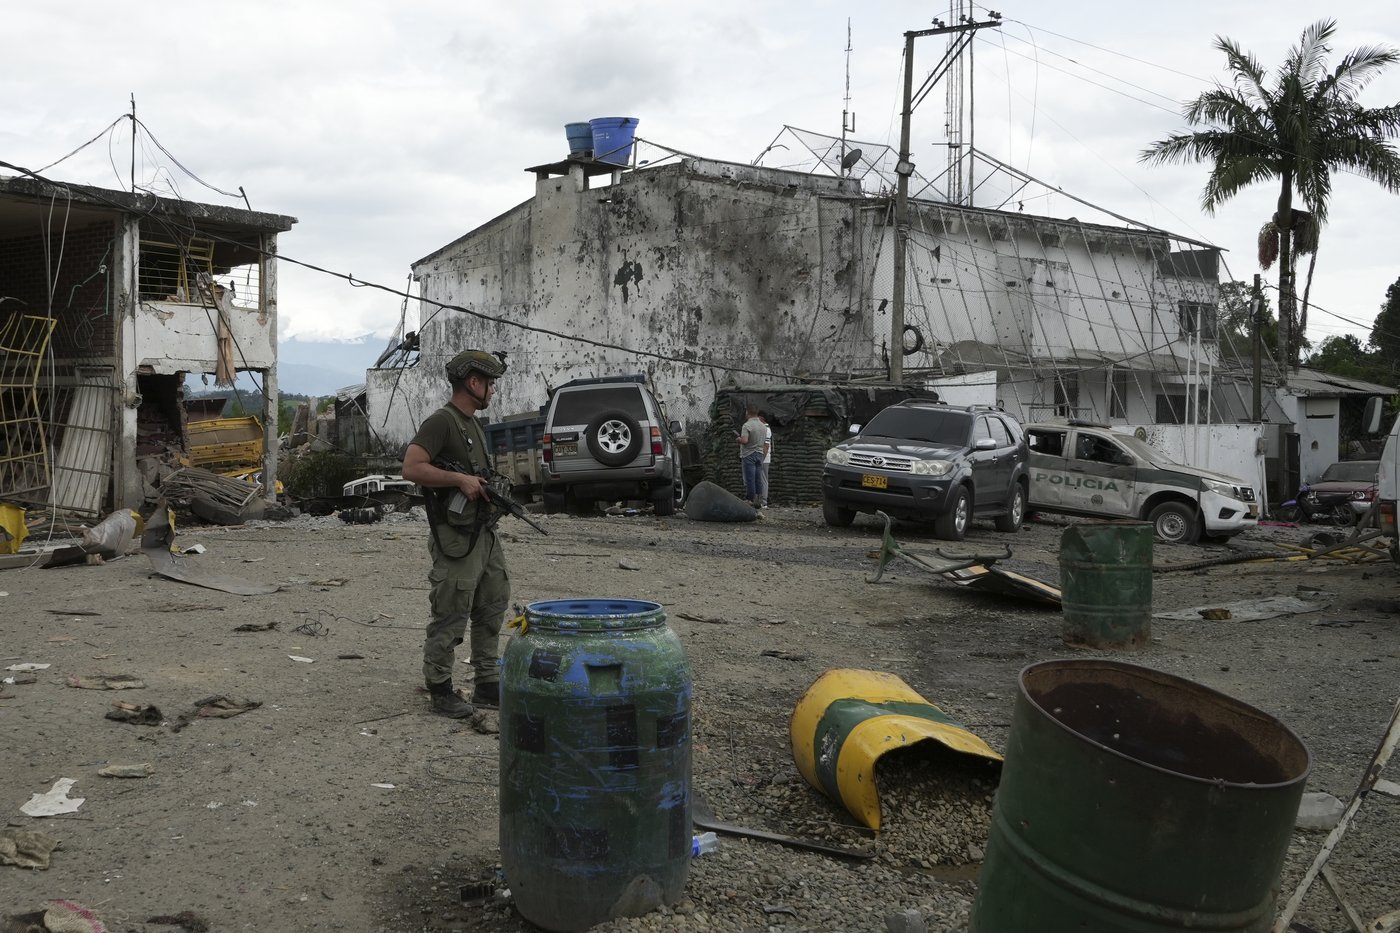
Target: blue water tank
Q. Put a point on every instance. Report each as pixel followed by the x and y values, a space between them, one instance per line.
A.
pixel 580 138
pixel 612 139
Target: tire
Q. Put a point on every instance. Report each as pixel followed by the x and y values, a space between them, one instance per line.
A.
pixel 837 516
pixel 1015 511
pixel 1175 523
pixel 614 437
pixel 1343 515
pixel 553 502
pixel 1289 513
pixel 952 524
pixel 579 506
pixel 663 503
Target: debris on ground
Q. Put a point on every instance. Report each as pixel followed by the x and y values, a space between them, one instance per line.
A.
pixel 106 682
pixel 1249 610
pixel 145 769
pixel 186 920
pixel 53 801
pixel 138 714
pixel 710 503
pixel 26 848
pixel 222 707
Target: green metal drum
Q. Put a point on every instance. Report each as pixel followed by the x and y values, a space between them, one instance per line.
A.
pixel 1106 584
pixel 595 762
pixel 1135 801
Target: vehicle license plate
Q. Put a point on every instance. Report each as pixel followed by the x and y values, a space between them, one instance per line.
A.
pixel 871 481
pixel 565 450
pixel 1254 511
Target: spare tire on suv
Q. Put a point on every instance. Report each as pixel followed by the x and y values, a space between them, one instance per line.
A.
pixel 607 440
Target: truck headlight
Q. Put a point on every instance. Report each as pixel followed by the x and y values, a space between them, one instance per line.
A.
pixel 1222 489
pixel 838 456
pixel 931 468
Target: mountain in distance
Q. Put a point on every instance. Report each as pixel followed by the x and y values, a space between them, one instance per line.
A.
pixel 313 367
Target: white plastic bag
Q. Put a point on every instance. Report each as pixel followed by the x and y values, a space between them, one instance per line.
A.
pixel 112 536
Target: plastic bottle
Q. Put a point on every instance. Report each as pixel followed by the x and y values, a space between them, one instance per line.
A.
pixel 703 844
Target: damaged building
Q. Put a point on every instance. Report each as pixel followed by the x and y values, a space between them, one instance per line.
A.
pixel 708 274
pixel 108 300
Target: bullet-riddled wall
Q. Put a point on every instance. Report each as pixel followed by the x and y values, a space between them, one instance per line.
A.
pixel 756 269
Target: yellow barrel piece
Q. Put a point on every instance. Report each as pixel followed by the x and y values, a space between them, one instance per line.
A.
pixel 848 718
pixel 13 530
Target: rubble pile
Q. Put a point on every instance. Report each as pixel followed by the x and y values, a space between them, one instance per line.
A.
pixel 935 805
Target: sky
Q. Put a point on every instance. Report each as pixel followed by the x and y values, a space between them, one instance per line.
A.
pixel 391 129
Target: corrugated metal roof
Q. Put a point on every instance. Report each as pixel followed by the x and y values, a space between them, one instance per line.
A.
pixel 1312 382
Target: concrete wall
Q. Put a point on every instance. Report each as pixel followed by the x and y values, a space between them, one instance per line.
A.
pixel 1233 449
pixel 757 270
pixel 774 274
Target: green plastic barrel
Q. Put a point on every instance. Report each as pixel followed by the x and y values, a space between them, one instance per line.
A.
pixel 1106 584
pixel 595 762
pixel 1135 801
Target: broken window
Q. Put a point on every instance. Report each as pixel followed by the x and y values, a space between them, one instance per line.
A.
pixel 1196 319
pixel 1048 443
pixel 1066 394
pixel 1118 394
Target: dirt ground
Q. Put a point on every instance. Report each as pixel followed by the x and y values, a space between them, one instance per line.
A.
pixel 340 803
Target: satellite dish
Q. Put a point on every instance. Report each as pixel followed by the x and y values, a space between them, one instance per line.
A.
pixel 850 159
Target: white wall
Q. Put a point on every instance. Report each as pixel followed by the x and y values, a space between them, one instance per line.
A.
pixel 967 388
pixel 171 338
pixel 757 270
pixel 1233 449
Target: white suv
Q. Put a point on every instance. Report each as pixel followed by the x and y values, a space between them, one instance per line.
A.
pixel 607 440
pixel 1091 470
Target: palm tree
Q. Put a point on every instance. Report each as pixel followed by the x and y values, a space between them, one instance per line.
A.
pixel 1297 131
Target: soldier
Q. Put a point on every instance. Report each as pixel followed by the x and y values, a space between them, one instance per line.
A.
pixel 470 584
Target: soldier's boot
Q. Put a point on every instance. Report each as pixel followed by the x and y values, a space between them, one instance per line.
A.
pixel 447 703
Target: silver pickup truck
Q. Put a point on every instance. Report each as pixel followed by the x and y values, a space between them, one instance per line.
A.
pixel 1092 470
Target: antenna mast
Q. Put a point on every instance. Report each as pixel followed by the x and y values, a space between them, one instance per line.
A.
pixel 848 118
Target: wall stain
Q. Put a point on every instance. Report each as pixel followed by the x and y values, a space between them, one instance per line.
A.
pixel 630 271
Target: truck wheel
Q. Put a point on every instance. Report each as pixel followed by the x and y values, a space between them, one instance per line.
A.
pixel 1015 511
pixel 1175 523
pixel 553 502
pixel 836 516
pixel 663 502
pixel 952 524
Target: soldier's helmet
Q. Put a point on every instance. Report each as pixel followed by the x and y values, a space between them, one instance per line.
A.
pixel 490 365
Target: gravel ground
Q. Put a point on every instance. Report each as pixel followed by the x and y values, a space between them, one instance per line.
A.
pixel 273 820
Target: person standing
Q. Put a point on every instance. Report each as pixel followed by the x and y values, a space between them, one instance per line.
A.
pixel 751 440
pixel 469 582
pixel 767 458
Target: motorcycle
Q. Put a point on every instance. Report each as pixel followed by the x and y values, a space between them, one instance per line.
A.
pixel 1333 508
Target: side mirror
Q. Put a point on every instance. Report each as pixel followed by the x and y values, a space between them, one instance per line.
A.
pixel 853 430
pixel 1375 410
pixel 984 443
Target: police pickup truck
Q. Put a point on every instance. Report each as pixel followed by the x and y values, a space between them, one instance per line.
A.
pixel 1091 470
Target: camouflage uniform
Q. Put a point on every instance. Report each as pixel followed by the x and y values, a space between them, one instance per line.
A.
pixel 469 581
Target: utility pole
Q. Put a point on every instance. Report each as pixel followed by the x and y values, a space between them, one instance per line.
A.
pixel 1256 308
pixel 904 168
pixel 848 122
pixel 133 142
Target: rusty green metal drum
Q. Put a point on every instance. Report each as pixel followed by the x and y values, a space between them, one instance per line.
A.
pixel 1106 584
pixel 1135 801
pixel 595 762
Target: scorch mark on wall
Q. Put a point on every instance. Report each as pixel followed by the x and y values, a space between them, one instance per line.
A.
pixel 629 272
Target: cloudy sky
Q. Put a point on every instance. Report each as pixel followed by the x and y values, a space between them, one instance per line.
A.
pixel 390 129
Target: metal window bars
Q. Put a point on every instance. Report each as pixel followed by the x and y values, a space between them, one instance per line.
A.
pixel 24 455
